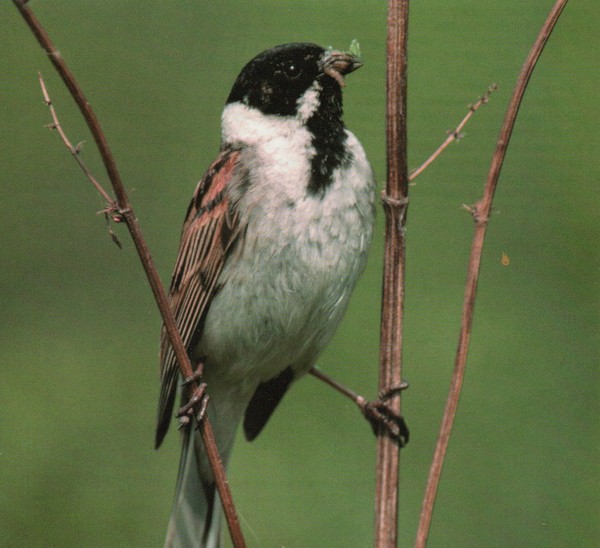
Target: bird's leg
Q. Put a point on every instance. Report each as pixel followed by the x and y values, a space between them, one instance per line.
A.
pixel 198 401
pixel 377 412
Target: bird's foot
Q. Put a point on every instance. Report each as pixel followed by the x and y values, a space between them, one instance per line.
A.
pixel 196 376
pixel 379 414
pixel 198 401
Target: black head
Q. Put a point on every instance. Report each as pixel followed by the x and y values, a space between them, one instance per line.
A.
pixel 276 79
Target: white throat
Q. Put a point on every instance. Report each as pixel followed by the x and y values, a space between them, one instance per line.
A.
pixel 246 125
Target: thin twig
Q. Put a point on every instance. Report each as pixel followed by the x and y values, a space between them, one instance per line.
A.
pixel 455 134
pixel 125 212
pixel 395 204
pixel 75 151
pixel 111 208
pixel 481 212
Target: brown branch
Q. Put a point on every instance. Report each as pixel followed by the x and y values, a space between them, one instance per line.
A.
pixel 125 212
pixel 395 204
pixel 455 134
pixel 481 212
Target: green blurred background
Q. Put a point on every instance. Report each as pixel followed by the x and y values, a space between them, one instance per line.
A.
pixel 80 330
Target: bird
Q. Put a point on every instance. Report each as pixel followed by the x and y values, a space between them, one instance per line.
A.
pixel 273 243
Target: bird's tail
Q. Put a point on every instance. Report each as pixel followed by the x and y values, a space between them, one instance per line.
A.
pixel 195 516
pixel 195 520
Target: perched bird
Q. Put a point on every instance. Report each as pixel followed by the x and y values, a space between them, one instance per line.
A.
pixel 274 240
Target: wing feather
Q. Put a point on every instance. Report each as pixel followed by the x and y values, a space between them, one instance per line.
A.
pixel 210 228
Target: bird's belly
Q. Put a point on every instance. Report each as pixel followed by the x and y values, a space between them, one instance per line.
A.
pixel 283 297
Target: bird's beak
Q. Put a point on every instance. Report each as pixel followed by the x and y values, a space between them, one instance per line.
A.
pixel 337 63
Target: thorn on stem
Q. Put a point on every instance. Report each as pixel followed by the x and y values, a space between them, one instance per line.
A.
pixel 475 211
pixel 470 209
pixel 456 135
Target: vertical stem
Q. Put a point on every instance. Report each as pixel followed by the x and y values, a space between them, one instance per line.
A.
pixel 481 212
pixel 395 202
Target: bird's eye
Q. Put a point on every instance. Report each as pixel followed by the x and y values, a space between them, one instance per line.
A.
pixel 292 71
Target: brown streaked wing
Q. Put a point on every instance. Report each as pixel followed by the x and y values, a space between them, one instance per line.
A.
pixel 208 232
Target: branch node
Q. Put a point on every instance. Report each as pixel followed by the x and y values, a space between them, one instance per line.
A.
pixel 479 214
pixel 388 200
pixel 455 135
pixel 55 54
pixel 118 214
pixel 476 212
